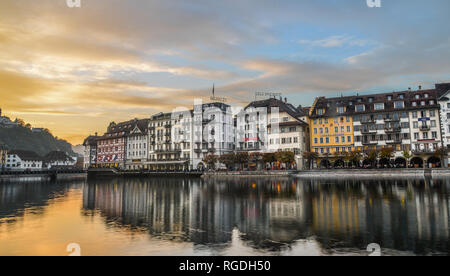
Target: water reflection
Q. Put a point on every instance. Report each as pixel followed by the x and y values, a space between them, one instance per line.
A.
pixel 405 215
pixel 270 215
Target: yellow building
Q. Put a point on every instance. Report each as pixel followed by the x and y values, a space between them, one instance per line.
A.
pixel 331 130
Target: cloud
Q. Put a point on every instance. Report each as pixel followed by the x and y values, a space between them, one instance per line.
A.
pixel 335 41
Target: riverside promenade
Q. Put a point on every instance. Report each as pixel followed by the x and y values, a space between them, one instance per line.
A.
pixel 374 173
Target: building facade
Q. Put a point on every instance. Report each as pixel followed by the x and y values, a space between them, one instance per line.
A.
pixel 3 156
pixel 273 125
pixel 59 160
pixel 407 122
pixel 444 103
pixel 213 131
pixel 111 147
pixel 90 152
pixel 137 145
pixel 22 160
pixel 331 129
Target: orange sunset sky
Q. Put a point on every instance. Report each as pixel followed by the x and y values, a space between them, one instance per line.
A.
pixel 74 70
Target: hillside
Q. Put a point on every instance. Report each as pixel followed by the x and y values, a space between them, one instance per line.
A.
pixel 21 137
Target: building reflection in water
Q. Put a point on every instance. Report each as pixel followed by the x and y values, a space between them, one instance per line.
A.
pixel 401 215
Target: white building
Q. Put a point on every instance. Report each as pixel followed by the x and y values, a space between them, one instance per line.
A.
pixel 444 102
pixel 22 160
pixel 273 125
pixel 58 160
pixel 213 131
pixel 137 145
pixel 425 127
pixel 90 151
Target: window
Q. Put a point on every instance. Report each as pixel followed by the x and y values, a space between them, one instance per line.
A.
pixel 379 106
pixel 348 119
pixel 432 102
pixel 348 129
pixel 433 123
pixel 360 108
pixel 336 139
pixel 432 113
pixel 316 140
pixel 336 129
pixel 422 103
pixel 327 140
pixel 434 135
pixel 326 130
pixel 341 110
pixel 343 139
pixel 321 140
pixel 415 124
pixel 389 98
pixel 315 130
pixel 349 139
pixel 320 111
pixel 414 114
pixel 399 104
pixel 414 104
pixel 417 96
pixel 401 96
pixel 448 105
pixel 416 136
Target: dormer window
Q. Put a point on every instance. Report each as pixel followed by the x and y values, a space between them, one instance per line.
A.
pixel 426 96
pixel 389 98
pixel 359 100
pixel 414 104
pixel 370 100
pixel 401 96
pixel 417 96
pixel 350 103
pixel 341 109
pixel 360 108
pixel 320 111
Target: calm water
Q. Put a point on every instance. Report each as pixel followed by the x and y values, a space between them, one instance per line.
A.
pixel 225 217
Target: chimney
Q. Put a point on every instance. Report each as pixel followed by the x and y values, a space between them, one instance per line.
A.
pixel 409 88
pixel 285 100
pixel 96 134
pixel 420 87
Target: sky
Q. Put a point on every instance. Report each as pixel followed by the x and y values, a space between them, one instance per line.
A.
pixel 74 70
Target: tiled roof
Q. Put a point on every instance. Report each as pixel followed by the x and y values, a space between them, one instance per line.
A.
pixel 57 156
pixel 26 155
pixel 408 97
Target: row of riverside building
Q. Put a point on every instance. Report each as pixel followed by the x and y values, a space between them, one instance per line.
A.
pixel 414 121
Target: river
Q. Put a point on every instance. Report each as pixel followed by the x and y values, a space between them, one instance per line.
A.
pixel 233 216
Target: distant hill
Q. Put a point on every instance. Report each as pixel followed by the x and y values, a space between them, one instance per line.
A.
pixel 40 141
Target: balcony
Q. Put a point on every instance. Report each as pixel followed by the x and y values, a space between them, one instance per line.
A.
pixel 367 121
pixel 424 127
pixel 368 131
pixel 392 119
pixel 394 141
pixel 423 151
pixel 370 142
pixel 392 129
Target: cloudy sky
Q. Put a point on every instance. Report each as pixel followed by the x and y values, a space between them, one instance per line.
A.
pixel 73 70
